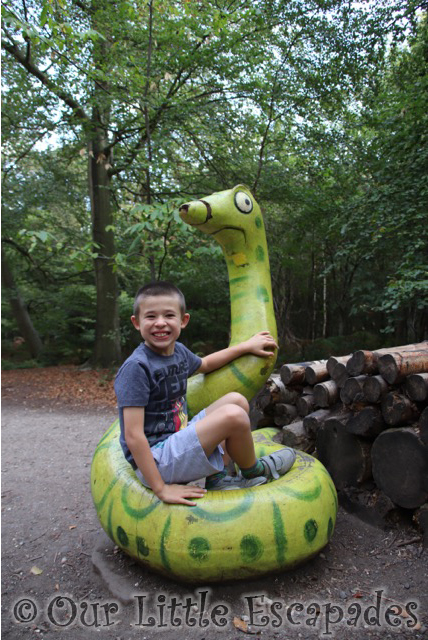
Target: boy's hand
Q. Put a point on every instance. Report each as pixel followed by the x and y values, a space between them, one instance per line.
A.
pixel 261 344
pixel 178 493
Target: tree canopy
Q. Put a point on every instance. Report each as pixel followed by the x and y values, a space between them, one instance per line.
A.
pixel 115 112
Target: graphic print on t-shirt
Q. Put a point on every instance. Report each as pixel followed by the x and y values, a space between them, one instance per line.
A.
pixel 171 381
pixel 179 414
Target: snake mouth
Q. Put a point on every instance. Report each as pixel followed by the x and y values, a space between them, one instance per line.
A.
pixel 232 228
pixel 185 209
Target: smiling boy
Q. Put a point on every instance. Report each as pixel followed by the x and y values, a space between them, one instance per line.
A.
pixel 151 392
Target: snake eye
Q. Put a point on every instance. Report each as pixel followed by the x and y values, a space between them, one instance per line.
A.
pixel 243 202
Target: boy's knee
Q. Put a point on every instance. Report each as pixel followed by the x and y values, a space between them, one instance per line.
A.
pixel 236 416
pixel 239 400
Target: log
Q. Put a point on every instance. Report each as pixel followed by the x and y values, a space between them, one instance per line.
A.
pixel 362 361
pixel 282 409
pixel 345 456
pixel 305 405
pixel 314 420
pixel 258 419
pixel 294 435
pixel 423 426
pixel 353 389
pixel 281 393
pixel 333 361
pixel 400 466
pixel 367 422
pixel 367 361
pixel 316 372
pixel 284 414
pixel 264 400
pixel 344 397
pixel 374 388
pixel 394 367
pixel 398 409
pixel 340 374
pixel 293 373
pixel 326 393
pixel 417 386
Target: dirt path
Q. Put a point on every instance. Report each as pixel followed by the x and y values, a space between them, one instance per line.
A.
pixel 50 537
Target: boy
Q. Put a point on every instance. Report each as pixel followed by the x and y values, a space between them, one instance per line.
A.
pixel 151 388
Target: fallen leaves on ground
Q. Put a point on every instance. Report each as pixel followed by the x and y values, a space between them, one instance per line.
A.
pixel 64 385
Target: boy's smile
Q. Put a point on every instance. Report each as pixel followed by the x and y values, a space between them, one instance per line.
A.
pixel 160 322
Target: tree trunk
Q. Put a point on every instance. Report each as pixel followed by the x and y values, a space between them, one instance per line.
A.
pixel 107 339
pixel 19 310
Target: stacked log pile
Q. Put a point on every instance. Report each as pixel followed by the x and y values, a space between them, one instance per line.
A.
pixel 364 415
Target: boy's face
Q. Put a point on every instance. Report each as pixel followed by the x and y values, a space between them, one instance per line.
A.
pixel 160 322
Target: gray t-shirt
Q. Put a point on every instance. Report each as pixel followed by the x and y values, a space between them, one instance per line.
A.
pixel 159 384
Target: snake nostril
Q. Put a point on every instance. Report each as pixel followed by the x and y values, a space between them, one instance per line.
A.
pixel 185 208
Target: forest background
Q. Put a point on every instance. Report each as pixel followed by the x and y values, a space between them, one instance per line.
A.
pixel 117 111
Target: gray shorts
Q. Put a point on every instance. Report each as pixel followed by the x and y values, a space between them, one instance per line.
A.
pixel 181 458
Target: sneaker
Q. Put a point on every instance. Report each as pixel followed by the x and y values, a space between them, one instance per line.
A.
pixel 237 482
pixel 279 462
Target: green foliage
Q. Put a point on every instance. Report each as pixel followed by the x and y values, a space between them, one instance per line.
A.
pixel 320 107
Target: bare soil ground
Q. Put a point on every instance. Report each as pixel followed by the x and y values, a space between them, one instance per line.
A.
pixel 63 578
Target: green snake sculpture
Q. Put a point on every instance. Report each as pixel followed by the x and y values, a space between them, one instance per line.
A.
pixel 234 219
pixel 229 535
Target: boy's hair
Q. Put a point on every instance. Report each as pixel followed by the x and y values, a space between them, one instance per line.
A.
pixel 158 288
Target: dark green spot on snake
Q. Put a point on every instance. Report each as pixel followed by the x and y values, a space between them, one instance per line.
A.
pixel 199 549
pixel 142 548
pixel 310 530
pixel 262 294
pixel 260 254
pixel 238 280
pixel 251 548
pixel 122 537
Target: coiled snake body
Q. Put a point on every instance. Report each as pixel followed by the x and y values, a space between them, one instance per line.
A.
pixel 229 534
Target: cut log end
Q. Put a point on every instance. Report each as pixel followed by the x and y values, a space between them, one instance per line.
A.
pixel 400 466
pixel 345 456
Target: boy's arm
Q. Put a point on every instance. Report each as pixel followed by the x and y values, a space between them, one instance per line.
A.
pixel 138 444
pixel 261 344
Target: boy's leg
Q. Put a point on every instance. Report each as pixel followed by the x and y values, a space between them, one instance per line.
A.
pixel 227 422
pixel 229 398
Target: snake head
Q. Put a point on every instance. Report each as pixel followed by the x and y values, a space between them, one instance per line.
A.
pixel 232 217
